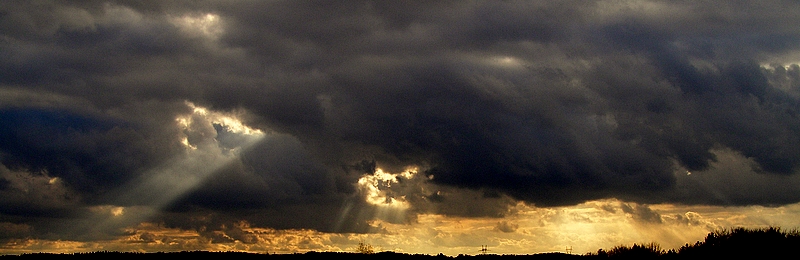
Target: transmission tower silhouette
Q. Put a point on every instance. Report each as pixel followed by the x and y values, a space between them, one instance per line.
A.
pixel 569 249
pixel 484 248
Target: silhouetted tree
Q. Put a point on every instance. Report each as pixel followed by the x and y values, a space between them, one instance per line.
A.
pixel 738 242
pixel 637 251
pixel 364 248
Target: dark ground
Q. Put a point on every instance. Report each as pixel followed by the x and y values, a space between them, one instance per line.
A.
pixel 298 256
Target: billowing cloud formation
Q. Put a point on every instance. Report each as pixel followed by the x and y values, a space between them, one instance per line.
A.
pixel 332 115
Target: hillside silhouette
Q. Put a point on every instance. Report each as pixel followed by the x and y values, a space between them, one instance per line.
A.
pixel 737 242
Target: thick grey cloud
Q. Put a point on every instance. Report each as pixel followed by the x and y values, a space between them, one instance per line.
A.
pixel 550 103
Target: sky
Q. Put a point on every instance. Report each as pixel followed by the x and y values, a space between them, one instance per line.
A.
pixel 411 126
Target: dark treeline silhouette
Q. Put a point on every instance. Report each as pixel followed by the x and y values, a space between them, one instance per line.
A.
pixel 768 243
pixel 737 242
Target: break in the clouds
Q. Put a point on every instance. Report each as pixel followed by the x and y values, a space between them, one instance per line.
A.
pixel 337 115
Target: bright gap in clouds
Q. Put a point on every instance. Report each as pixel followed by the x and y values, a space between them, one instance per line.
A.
pixel 507 61
pixel 375 187
pixel 376 190
pixel 205 25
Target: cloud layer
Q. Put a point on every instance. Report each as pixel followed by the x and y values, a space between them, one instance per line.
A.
pixel 282 113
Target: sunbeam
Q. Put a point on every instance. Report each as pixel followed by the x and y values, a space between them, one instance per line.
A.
pixel 155 189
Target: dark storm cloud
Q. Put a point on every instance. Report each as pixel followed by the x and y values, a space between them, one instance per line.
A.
pixel 90 154
pixel 551 103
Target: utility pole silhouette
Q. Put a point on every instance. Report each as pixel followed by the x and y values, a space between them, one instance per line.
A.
pixel 484 248
pixel 569 249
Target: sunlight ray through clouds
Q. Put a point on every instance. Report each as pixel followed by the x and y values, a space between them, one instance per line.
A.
pixel 158 187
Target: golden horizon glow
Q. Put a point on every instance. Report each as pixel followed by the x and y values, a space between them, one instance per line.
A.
pixel 585 228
